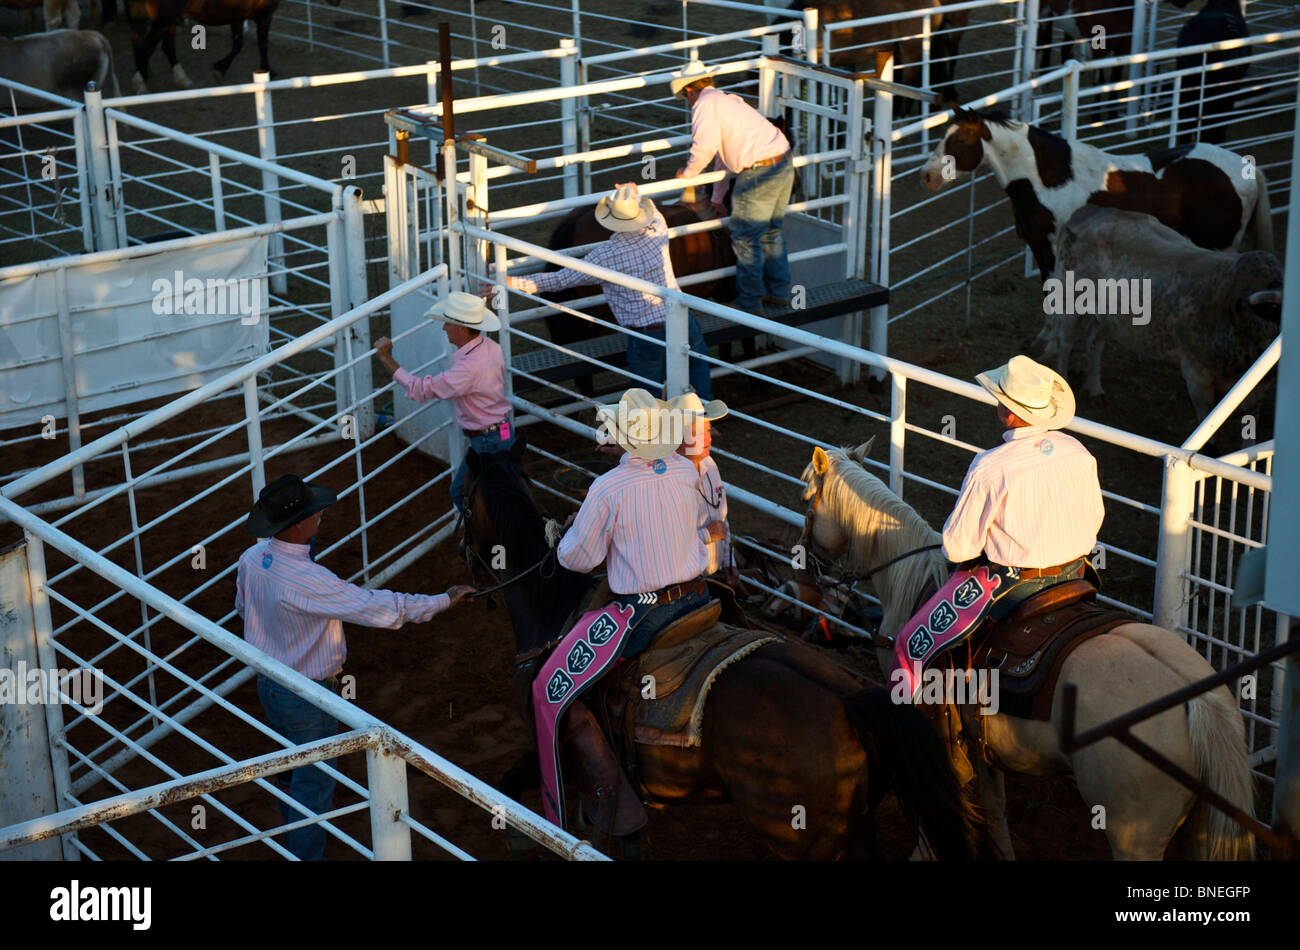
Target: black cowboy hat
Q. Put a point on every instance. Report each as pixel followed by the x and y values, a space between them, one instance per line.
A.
pixel 285 502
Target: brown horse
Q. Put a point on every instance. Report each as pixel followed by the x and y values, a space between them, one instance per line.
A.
pixel 155 20
pixel 855 49
pixel 1105 25
pixel 788 734
pixel 690 253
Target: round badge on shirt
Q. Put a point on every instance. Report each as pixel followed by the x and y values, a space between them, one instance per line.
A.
pixel 266 560
pixel 660 466
pixel 1045 446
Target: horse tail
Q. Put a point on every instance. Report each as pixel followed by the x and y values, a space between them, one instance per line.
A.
pixel 904 752
pixel 1263 216
pixel 1218 739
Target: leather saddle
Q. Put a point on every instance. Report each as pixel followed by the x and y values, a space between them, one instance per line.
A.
pixel 1029 646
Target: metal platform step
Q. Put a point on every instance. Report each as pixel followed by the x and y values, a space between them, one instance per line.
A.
pixel 821 302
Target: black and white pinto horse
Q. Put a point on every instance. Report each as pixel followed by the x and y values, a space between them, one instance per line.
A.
pixel 1207 193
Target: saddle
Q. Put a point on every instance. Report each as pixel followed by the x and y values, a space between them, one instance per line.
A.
pixel 1029 646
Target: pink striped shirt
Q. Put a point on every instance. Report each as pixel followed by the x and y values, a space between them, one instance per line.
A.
pixel 294 609
pixel 644 523
pixel 725 125
pixel 713 493
pixel 475 382
pixel 1032 502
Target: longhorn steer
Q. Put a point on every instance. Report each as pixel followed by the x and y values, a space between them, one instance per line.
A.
pixel 1210 312
pixel 60 62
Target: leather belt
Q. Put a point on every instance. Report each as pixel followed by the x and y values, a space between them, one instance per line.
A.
pixel 1029 573
pixel 648 328
pixel 774 160
pixel 666 595
pixel 475 433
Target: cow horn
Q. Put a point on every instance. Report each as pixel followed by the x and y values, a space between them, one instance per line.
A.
pixel 1263 298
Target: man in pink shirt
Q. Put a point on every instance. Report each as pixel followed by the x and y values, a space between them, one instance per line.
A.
pixel 733 135
pixel 293 610
pixel 1034 502
pixel 476 381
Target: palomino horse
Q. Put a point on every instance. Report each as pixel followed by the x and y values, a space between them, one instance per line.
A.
pixel 783 727
pixel 853 515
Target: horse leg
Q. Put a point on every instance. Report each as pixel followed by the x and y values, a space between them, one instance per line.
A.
pixel 169 50
pixel 263 43
pixel 222 66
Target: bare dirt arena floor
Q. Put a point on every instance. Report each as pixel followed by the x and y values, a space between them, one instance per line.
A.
pixel 447 684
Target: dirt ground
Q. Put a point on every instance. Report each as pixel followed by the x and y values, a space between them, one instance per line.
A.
pixel 446 684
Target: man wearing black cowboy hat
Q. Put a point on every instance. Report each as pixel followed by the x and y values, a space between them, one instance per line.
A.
pixel 293 610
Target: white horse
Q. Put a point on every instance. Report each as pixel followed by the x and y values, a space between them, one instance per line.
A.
pixel 853 515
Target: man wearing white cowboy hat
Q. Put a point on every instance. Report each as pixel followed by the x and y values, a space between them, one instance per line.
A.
pixel 475 382
pixel 758 153
pixel 293 610
pixel 642 518
pixel 638 247
pixel 1034 502
pixel 716 533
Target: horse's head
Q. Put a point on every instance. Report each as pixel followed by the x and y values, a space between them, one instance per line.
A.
pixel 491 478
pixel 961 150
pixel 823 532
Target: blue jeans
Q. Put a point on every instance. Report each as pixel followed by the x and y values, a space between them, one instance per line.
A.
pixel 299 721
pixel 483 445
pixel 758 204
pixel 657 619
pixel 1021 591
pixel 647 359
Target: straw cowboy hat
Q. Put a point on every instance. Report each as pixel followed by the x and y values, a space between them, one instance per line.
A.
pixel 1033 392
pixel 285 502
pixel 466 310
pixel 647 427
pixel 625 210
pixel 694 70
pixel 689 404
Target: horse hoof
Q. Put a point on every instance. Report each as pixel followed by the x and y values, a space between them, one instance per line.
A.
pixel 139 85
pixel 215 78
pixel 180 78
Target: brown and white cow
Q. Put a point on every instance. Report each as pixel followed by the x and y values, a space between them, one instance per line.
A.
pixel 59 62
pixel 1210 312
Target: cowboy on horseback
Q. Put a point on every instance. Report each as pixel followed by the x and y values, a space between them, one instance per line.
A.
pixel 1026 519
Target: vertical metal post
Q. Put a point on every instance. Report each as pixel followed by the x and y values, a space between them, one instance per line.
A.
pixel 575 7
pixel 584 127
pixel 767 77
pixel 101 181
pixel 383 30
pixel 812 124
pixel 1175 105
pixel 68 365
pixel 218 199
pixel 569 117
pixel 358 334
pixel 139 572
pixel 81 148
pixel 1019 54
pixel 503 312
pixel 253 426
pixel 882 132
pixel 897 431
pixel 677 348
pixel 478 216
pixel 54 726
pixel 336 242
pixel 452 190
pixel 115 176
pixel 390 837
pixel 854 231
pixel 1137 45
pixel 270 182
pixel 1176 500
pixel 1070 101
pixel 473 44
pixel 1028 57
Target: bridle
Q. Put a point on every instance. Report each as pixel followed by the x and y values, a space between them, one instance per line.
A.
pixel 469 552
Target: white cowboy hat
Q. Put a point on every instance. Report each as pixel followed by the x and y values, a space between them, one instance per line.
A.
pixel 692 71
pixel 647 427
pixel 466 310
pixel 1033 392
pixel 689 404
pixel 625 210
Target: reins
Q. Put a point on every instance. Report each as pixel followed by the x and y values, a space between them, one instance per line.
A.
pixel 468 545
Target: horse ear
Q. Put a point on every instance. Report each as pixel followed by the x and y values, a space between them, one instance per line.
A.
pixel 821 462
pixel 862 451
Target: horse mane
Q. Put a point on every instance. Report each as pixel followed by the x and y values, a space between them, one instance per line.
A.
pixel 881 526
pixel 510 507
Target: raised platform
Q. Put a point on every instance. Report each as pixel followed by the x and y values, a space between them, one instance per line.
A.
pixel 823 301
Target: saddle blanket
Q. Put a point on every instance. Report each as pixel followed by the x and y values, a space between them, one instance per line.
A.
pixel 582 656
pixel 947 618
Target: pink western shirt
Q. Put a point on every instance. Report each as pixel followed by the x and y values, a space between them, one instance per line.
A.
pixel 713 507
pixel 642 254
pixel 475 382
pixel 1032 502
pixel 644 523
pixel 725 125
pixel 294 609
